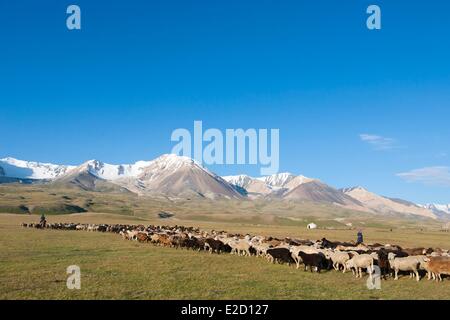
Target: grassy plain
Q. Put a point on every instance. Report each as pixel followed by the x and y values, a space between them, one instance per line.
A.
pixel 33 265
pixel 33 262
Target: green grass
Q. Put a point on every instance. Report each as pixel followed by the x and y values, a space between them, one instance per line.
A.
pixel 33 265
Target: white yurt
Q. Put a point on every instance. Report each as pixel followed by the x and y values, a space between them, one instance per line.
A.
pixel 312 226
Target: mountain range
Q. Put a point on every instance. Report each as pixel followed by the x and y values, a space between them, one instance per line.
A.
pixel 440 210
pixel 172 176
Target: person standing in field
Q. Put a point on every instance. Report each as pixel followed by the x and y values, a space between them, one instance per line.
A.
pixel 43 221
pixel 360 237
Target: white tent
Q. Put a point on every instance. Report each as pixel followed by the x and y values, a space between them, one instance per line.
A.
pixel 312 226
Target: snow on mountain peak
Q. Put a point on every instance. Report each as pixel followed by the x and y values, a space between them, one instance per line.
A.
pixel 240 180
pixel 443 207
pixel 15 168
pixel 173 162
pixel 111 171
pixel 357 188
pixel 174 175
pixel 437 208
pixel 278 180
pixel 172 170
pixel 21 169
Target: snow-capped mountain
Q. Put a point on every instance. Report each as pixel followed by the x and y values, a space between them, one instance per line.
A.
pixel 20 169
pixel 279 180
pixel 274 186
pixel 438 209
pixel 241 181
pixel 111 172
pixel 87 177
pixel 251 187
pixel 286 186
pixel 14 168
pixel 379 204
pixel 442 207
pixel 181 177
pixel 168 176
pixel 176 176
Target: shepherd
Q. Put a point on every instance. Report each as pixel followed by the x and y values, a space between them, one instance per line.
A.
pixel 43 222
pixel 360 236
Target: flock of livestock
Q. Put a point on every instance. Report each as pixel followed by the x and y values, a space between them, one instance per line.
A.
pixel 388 260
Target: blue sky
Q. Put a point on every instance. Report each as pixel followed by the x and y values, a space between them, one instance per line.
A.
pixel 354 107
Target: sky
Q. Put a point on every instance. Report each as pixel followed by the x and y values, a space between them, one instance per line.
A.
pixel 353 106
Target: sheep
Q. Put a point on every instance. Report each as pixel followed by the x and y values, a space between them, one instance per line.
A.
pixel 360 248
pixel 154 238
pixel 132 235
pixel 312 254
pixel 411 264
pixel 212 245
pixel 124 235
pixel 142 237
pixel 436 267
pixel 261 249
pixel 319 261
pixel 339 259
pixel 164 240
pixel 305 249
pixel 280 255
pixel 359 262
pixel 383 263
pixel 240 247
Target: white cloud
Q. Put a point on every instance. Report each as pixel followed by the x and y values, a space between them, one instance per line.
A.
pixel 378 142
pixel 433 176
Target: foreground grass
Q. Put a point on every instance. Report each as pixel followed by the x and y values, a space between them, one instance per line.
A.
pixel 33 265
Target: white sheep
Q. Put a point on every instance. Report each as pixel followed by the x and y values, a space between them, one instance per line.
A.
pixel 339 259
pixel 261 249
pixel 359 262
pixel 411 264
pixel 240 247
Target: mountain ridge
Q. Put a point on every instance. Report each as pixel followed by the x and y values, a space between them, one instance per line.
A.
pixel 384 205
pixel 440 210
pixel 182 177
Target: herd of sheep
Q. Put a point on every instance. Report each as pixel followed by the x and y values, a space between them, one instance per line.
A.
pixel 388 260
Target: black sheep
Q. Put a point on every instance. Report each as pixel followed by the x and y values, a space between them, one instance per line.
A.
pixel 319 261
pixel 281 255
pixel 383 262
